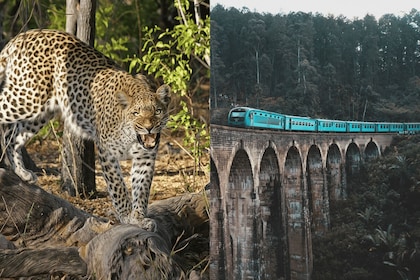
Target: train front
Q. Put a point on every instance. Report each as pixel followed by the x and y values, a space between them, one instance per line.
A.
pixel 238 116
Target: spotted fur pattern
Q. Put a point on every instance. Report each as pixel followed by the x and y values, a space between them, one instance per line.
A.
pixel 44 72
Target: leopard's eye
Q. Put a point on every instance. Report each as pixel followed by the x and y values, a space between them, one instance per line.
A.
pixel 136 114
pixel 158 111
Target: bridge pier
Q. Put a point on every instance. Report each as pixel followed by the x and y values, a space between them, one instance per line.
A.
pixel 270 193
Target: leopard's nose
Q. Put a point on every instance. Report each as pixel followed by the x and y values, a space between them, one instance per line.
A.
pixel 147 124
pixel 148 128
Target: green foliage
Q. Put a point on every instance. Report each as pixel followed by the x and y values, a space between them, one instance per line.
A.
pixel 323 66
pixel 176 53
pixel 375 233
pixel 196 136
pixel 112 45
pixel 57 16
pixel 177 56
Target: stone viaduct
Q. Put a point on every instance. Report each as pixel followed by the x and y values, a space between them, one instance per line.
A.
pixel 270 193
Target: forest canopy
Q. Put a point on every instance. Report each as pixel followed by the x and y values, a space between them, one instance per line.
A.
pixel 315 65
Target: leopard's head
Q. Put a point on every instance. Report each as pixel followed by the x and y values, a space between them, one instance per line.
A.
pixel 146 112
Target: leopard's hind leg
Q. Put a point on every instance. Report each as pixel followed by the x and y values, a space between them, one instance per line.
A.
pixel 14 139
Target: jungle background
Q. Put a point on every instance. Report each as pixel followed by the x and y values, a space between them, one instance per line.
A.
pixel 169 42
pixel 331 67
pixel 317 66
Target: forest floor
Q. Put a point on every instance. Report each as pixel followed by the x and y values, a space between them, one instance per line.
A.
pixel 175 173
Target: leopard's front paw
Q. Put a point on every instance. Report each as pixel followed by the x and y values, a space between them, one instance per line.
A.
pixel 145 223
pixel 148 224
pixel 26 175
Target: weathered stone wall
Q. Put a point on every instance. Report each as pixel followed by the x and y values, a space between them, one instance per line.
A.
pixel 270 192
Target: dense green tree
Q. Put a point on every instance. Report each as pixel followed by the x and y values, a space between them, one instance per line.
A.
pixel 316 65
pixel 375 233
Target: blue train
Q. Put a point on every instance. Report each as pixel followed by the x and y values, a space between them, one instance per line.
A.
pixel 250 117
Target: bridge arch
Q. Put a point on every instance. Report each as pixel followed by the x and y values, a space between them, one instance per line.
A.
pixel 294 197
pixel 217 240
pixel 353 159
pixel 271 219
pixel 246 211
pixel 269 166
pixel 241 211
pixel 334 173
pixel 372 151
pixel 317 193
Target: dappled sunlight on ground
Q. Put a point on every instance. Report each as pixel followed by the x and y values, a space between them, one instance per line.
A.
pixel 174 174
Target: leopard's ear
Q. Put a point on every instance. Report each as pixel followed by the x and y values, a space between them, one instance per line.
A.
pixel 164 92
pixel 142 78
pixel 123 99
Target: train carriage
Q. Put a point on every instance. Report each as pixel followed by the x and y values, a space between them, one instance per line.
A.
pixel 382 127
pixel 250 117
pixel 411 128
pixel 354 126
pixel 396 127
pixel 238 116
pixel 265 119
pixel 331 126
pixel 296 123
pixel 368 127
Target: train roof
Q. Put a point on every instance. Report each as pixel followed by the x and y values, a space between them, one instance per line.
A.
pixel 244 108
pixel 299 117
pixel 328 120
pixel 360 122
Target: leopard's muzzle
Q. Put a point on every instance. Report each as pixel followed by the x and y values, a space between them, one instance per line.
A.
pixel 149 141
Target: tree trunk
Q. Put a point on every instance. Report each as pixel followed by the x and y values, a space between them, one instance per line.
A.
pixel 78 165
pixel 45 236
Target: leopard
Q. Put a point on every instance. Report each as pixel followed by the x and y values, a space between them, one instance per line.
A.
pixel 48 73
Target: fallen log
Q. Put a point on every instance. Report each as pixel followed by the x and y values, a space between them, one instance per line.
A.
pixel 32 262
pixel 45 236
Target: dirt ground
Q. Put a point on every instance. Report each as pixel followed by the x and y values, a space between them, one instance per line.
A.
pixel 175 173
